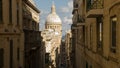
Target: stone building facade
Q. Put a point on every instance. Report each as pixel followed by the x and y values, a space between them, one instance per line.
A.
pixel 32 35
pixel 100 48
pixel 78 33
pixel 11 34
pixel 20 38
pixel 68 44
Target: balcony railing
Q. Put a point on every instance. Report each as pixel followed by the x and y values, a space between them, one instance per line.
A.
pixel 75 4
pixel 75 8
pixel 94 4
pixel 80 19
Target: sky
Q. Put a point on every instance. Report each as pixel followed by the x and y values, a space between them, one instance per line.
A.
pixel 63 9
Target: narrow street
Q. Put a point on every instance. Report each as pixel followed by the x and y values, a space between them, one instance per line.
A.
pixel 59 33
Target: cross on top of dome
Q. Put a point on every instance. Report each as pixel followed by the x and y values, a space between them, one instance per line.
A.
pixel 53 9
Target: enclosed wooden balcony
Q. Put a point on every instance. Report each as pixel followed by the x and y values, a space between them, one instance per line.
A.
pixel 94 8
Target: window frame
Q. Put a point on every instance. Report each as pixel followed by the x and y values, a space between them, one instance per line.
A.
pixel 1 11
pixel 2 56
pixel 91 36
pixel 10 11
pixel 113 41
pixel 17 7
pixel 99 33
pixel 11 53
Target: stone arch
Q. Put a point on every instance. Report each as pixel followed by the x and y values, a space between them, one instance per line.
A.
pixel 115 9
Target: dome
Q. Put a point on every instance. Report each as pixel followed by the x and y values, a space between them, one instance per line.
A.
pixel 53 18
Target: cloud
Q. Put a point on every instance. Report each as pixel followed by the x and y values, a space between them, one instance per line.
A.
pixel 70 4
pixel 42 24
pixel 67 20
pixel 64 9
pixel 68 8
pixel 43 16
pixel 67 17
pixel 43 12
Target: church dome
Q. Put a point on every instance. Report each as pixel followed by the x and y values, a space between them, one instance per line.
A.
pixel 53 18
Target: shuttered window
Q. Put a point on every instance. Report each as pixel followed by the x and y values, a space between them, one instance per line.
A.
pixel 10 11
pixel 113 34
pixel 1 16
pixel 11 53
pixel 1 57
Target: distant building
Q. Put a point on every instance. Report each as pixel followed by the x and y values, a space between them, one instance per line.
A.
pixel 95 34
pixel 52 35
pixel 68 45
pixel 65 51
pixel 63 55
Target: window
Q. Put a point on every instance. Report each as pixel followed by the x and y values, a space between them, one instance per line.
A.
pixel 113 33
pixel 99 32
pixel 1 11
pixel 91 30
pixel 86 64
pixel 87 36
pixel 10 11
pixel 1 58
pixel 84 35
pixel 78 35
pixel 92 1
pixel 47 58
pixel 33 25
pixel 18 53
pixel 11 53
pixel 90 66
pixel 17 13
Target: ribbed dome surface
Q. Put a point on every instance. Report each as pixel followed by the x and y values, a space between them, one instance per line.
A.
pixel 53 18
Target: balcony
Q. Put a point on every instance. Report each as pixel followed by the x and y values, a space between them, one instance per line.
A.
pixel 94 8
pixel 75 8
pixel 80 19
